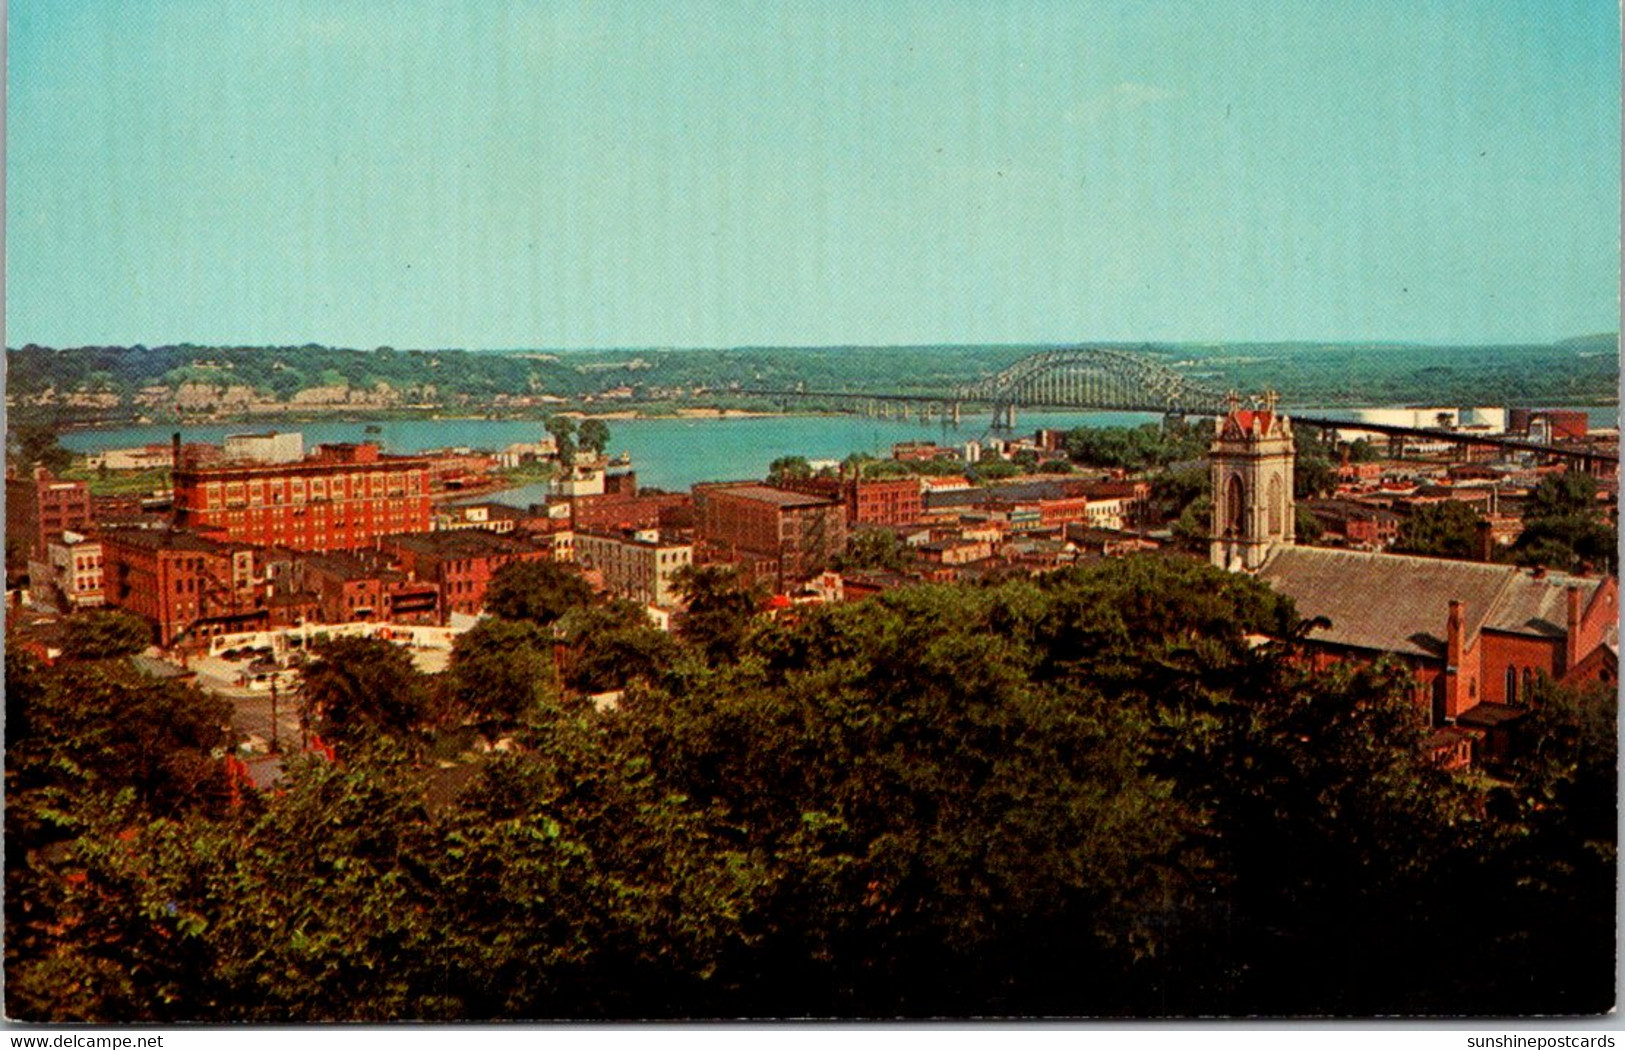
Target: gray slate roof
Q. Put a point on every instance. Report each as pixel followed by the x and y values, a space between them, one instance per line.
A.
pixel 1401 604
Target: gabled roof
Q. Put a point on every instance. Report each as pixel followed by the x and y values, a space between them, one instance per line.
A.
pixel 1399 603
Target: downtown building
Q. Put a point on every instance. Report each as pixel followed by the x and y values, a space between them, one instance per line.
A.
pixel 342 497
pixel 637 564
pixel 772 535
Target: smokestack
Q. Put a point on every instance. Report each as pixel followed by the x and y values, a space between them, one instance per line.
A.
pixel 174 466
pixel 1575 617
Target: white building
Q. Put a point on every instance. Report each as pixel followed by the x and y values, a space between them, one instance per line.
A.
pixel 144 457
pixel 639 565
pixel 266 448
pixel 72 570
pixel 522 452
pixel 584 478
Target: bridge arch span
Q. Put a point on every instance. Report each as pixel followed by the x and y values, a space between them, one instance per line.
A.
pixel 1095 377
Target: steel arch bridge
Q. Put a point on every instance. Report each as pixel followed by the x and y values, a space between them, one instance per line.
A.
pixel 1095 377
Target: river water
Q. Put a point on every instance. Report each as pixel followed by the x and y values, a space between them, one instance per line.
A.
pixel 669 454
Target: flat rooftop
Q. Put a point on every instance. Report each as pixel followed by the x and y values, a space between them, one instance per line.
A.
pixel 777 497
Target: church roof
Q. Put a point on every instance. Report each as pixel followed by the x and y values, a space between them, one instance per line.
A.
pixel 1398 603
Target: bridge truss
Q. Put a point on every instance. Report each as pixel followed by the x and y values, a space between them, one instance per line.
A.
pixel 1093 377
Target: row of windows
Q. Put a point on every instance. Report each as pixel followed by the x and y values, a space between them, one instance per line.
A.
pixel 1512 677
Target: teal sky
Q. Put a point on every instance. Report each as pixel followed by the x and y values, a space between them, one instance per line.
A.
pixel 430 174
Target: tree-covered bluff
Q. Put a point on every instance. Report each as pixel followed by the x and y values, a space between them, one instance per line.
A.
pixel 106 383
pixel 1111 791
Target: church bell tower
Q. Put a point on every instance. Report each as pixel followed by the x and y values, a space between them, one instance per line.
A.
pixel 1251 461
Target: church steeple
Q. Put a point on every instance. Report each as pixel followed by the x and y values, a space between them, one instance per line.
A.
pixel 1251 460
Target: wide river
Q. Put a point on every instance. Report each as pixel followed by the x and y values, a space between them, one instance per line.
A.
pixel 670 454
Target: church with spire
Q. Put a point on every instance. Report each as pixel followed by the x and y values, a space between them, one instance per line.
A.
pixel 1475 636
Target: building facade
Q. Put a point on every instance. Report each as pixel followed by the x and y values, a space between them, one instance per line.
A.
pixel 71 572
pixel 340 498
pixel 42 507
pixel 274 447
pixel 774 535
pixel 639 565
pixel 188 586
pixel 461 563
pixel 1251 461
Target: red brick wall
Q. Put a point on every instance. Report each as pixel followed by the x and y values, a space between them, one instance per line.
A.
pixel 358 503
pixel 1500 651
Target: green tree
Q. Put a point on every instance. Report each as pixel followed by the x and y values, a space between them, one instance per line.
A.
pixel 1174 490
pixel 34 445
pixel 538 591
pixel 1308 528
pixel 1362 450
pixel 100 634
pixel 1312 471
pixel 1440 530
pixel 364 688
pixel 874 549
pixel 787 468
pixel 1561 495
pixel 594 435
pixel 1564 529
pixel 563 429
pixel 502 670
pixel 614 644
pixel 720 609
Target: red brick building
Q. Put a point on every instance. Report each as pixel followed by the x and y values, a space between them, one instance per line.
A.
pixel 189 586
pixel 348 589
pixel 874 501
pixel 1477 637
pixel 619 509
pixel 775 535
pixel 461 563
pixel 342 497
pixel 40 508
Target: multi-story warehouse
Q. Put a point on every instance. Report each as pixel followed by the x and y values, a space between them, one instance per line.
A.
pixel 876 501
pixel 189 586
pixel 40 508
pixel 342 497
pixel 634 564
pixel 775 535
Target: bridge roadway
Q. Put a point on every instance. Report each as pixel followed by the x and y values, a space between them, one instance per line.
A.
pixel 951 403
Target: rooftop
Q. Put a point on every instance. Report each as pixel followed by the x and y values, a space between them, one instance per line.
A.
pixel 461 543
pixel 777 497
pixel 168 539
pixel 1400 603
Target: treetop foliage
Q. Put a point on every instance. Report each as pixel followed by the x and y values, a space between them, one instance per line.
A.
pixel 1077 795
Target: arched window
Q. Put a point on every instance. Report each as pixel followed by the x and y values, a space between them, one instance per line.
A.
pixel 1528 683
pixel 1512 685
pixel 1277 506
pixel 1235 502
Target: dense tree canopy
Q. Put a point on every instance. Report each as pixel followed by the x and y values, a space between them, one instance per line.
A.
pixel 538 591
pixel 1448 529
pixel 102 633
pixel 594 435
pixel 1564 528
pixel 1110 791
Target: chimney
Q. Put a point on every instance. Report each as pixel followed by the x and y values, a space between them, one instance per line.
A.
pixel 174 465
pixel 1571 640
pixel 1484 536
pixel 1454 643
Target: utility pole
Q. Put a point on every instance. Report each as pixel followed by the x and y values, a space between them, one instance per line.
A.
pixel 276 745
